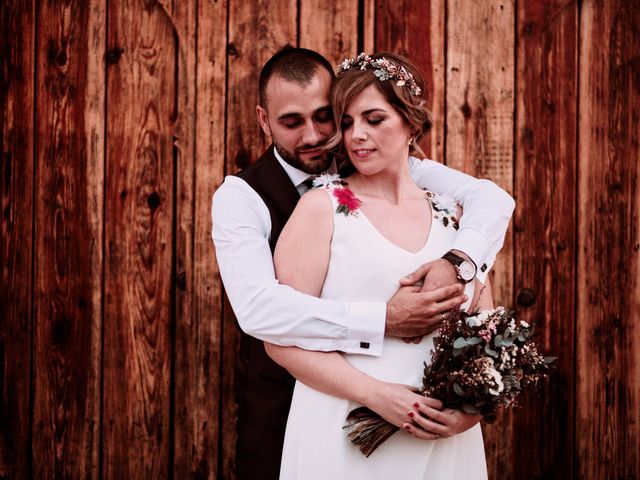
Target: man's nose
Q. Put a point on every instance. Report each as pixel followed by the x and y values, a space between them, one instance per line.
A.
pixel 311 134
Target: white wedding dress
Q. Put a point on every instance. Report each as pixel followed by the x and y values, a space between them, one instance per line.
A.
pixel 365 266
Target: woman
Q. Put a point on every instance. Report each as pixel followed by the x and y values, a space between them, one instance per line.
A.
pixel 353 242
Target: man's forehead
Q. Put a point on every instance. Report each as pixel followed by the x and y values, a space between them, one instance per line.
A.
pixel 282 93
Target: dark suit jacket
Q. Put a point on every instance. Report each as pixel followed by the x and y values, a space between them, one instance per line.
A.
pixel 263 388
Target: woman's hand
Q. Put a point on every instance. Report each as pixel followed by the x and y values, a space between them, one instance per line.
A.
pixel 393 402
pixel 441 422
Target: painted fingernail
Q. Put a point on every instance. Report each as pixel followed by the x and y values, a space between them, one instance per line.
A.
pixel 410 414
pixel 407 427
pixel 417 405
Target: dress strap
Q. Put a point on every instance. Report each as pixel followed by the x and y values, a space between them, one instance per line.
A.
pixel 342 197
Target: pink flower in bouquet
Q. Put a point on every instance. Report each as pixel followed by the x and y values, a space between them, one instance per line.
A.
pixel 485 334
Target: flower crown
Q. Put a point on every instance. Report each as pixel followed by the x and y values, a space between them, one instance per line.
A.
pixel 383 69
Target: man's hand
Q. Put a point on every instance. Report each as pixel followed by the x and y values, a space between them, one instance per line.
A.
pixel 411 312
pixel 432 275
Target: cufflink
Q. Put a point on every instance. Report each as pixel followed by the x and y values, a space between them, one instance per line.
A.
pixel 364 345
pixel 483 268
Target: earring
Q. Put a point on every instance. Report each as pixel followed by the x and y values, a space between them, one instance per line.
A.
pixel 410 140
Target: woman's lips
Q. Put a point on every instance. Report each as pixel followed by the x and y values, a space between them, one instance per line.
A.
pixel 362 152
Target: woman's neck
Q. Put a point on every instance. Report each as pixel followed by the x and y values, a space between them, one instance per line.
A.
pixel 393 186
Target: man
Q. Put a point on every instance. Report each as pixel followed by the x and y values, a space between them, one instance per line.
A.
pixel 249 212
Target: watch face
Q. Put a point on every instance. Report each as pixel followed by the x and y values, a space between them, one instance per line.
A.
pixel 467 271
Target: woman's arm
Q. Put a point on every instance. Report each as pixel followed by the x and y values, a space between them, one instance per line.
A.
pixel 330 373
pixel 448 422
pixel 301 260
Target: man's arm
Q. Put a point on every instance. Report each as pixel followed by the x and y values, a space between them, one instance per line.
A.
pixel 276 313
pixel 272 312
pixel 487 210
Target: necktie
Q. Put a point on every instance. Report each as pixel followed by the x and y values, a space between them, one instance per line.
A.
pixel 309 182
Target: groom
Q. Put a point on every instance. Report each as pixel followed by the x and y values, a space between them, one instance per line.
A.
pixel 251 208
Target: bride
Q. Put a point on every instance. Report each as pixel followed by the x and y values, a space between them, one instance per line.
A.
pixel 351 239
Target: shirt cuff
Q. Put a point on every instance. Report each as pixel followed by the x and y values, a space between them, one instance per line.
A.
pixel 475 245
pixel 366 328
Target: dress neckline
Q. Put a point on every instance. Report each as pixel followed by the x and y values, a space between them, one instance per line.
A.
pixel 379 233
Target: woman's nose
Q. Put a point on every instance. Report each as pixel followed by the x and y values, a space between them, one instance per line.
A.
pixel 359 131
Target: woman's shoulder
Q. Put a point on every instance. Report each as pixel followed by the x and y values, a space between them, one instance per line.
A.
pixel 316 200
pixel 337 190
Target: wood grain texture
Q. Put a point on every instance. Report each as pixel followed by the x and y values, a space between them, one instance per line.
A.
pixel 479 140
pixel 608 328
pixel 191 433
pixel 421 38
pixel 68 240
pixel 545 226
pixel 143 100
pixel 210 167
pixel 17 73
pixel 257 30
pixel 198 328
pixel 330 27
pixel 368 33
pixel 480 105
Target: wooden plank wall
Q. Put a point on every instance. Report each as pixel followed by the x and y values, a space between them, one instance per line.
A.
pixel 120 118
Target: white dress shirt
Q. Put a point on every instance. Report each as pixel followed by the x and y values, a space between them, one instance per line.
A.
pixel 276 313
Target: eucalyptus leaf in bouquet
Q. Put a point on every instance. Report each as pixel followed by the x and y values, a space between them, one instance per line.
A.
pixel 480 363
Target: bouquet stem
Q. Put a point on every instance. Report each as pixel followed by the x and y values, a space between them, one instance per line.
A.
pixel 367 430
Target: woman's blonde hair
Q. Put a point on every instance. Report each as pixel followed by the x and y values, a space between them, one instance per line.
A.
pixel 412 108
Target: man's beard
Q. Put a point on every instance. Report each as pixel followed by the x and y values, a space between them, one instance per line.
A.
pixel 313 166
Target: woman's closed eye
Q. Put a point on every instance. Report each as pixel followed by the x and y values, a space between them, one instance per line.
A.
pixel 375 120
pixel 348 122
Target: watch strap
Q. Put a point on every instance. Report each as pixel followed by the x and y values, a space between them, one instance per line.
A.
pixel 453 258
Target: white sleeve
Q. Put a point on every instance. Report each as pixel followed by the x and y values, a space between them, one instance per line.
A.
pixel 487 210
pixel 272 312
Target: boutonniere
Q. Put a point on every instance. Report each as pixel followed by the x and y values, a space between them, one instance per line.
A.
pixel 327 179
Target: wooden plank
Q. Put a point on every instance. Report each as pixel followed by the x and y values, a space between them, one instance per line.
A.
pixel 545 226
pixel 608 326
pixel 421 39
pixel 198 292
pixel 368 33
pixel 141 121
pixel 479 139
pixel 210 166
pixel 480 104
pixel 255 33
pixel 17 48
pixel 68 241
pixel 188 433
pixel 330 27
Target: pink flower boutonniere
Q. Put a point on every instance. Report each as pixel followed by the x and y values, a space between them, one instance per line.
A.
pixel 348 203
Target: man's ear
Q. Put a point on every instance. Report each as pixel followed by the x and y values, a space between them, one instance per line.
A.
pixel 263 120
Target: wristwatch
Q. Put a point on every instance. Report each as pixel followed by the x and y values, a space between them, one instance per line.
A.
pixel 466 269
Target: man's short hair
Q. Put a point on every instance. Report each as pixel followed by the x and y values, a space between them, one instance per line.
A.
pixel 296 65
